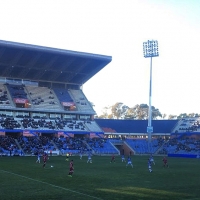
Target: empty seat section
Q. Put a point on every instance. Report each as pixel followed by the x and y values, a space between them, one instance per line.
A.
pixel 4 99
pixel 80 100
pixel 43 98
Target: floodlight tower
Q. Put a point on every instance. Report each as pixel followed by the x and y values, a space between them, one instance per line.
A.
pixel 150 50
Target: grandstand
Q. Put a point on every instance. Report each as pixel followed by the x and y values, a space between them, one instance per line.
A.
pixel 42 107
pixel 170 137
pixel 41 96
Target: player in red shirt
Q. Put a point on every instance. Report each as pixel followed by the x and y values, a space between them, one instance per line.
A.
pixel 112 159
pixel 165 164
pixel 45 158
pixel 71 168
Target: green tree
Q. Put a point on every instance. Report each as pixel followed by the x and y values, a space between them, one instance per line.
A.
pixel 172 116
pixel 182 115
pixel 185 115
pixel 118 110
pixel 164 116
pixel 193 115
pixel 105 114
pixel 155 113
pixel 140 111
pixel 129 114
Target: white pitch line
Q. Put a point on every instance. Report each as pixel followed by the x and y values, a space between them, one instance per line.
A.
pixel 51 185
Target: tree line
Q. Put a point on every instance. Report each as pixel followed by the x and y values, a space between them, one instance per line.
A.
pixel 138 112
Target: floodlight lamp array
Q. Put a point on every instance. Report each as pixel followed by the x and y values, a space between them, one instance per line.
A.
pixel 150 48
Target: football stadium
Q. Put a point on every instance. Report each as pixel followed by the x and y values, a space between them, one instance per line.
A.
pixel 53 147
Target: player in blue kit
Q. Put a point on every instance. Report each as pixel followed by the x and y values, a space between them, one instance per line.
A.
pixel 149 165
pixel 38 158
pixel 152 159
pixel 123 158
pixel 89 158
pixel 129 162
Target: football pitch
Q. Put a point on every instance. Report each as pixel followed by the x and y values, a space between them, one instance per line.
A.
pixel 21 178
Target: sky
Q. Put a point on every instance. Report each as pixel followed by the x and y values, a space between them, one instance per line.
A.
pixel 118 28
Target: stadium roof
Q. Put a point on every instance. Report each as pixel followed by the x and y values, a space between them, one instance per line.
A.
pixel 37 63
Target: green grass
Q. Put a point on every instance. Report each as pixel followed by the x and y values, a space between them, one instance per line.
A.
pixel 22 179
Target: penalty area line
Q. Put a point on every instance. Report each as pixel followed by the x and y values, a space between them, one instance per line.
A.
pixel 52 185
